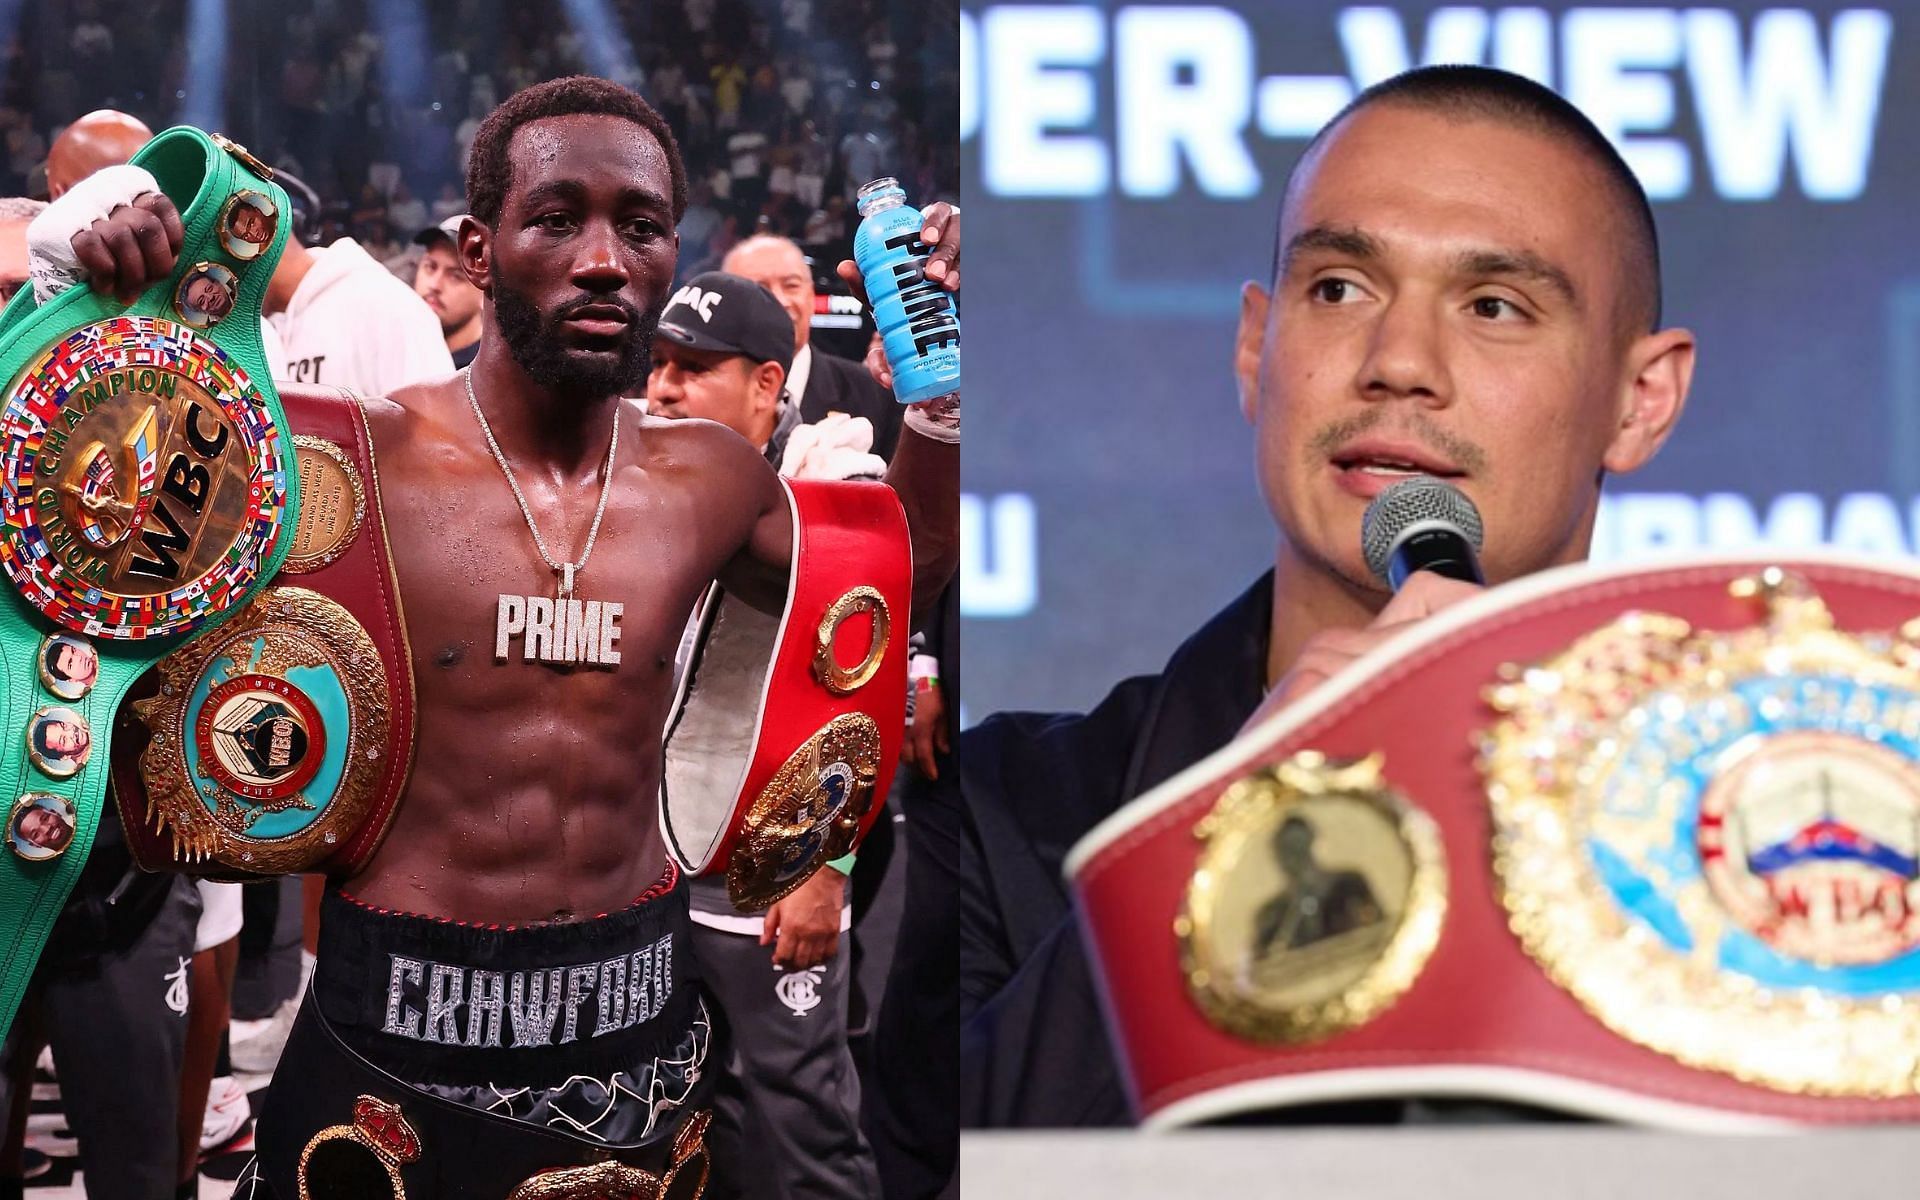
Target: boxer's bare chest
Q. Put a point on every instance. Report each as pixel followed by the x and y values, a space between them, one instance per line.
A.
pixel 533 794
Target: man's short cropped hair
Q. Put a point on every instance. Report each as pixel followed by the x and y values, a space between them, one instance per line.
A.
pixel 1471 92
pixel 490 170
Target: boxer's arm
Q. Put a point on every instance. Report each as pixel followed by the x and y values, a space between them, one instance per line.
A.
pixel 926 476
pixel 757 573
pixel 114 230
pixel 925 472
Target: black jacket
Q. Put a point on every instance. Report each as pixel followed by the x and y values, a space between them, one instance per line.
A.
pixel 1034 1046
pixel 837 385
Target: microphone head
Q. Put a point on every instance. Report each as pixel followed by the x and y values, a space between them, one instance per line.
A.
pixel 1419 501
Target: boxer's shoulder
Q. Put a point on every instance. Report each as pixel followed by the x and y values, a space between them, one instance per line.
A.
pixel 412 413
pixel 421 437
pixel 688 442
pixel 705 450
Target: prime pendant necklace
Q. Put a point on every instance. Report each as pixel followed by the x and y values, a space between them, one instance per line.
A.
pixel 564 628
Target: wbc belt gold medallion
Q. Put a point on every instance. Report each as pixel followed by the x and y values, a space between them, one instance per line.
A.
pixel 808 813
pixel 142 486
pixel 333 505
pixel 1317 900
pixel 269 736
pixel 1712 839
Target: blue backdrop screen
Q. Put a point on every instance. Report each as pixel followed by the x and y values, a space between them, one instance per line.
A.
pixel 1124 163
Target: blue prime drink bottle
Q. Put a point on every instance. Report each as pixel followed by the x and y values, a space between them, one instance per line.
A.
pixel 917 324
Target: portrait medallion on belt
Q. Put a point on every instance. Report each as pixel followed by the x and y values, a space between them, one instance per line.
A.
pixel 142 483
pixel 1712 839
pixel 41 826
pixel 1317 900
pixel 247 225
pixel 269 736
pixel 59 741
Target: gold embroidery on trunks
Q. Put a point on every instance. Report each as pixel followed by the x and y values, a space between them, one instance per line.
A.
pixel 686 1179
pixel 808 813
pixel 599 1181
pixel 378 1128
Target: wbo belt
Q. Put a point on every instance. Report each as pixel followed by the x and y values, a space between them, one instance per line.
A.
pixel 1640 843
pixel 779 755
pixel 146 493
pixel 340 1125
pixel 281 742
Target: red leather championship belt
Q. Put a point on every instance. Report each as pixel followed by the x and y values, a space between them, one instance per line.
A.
pixel 1641 843
pixel 780 754
pixel 280 743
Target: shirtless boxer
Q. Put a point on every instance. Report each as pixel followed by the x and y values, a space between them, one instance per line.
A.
pixel 515 946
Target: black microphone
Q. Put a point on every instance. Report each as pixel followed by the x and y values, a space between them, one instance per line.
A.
pixel 1422 524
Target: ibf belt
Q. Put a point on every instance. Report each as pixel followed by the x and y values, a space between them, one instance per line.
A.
pixel 145 494
pixel 280 743
pixel 1640 843
pixel 787 728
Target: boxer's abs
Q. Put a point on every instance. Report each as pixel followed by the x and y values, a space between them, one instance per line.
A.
pixel 534 790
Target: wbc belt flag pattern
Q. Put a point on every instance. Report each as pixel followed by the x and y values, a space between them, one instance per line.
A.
pixel 163 561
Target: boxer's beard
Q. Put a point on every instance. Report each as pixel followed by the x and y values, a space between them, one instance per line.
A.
pixel 534 342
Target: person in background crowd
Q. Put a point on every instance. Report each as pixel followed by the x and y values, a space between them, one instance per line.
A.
pixel 1492 317
pixel 448 292
pixel 821 383
pixel 102 138
pixel 347 321
pixel 791 1091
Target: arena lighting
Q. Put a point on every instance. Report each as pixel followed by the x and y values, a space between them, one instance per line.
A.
pixel 9 25
pixel 406 69
pixel 204 102
pixel 603 43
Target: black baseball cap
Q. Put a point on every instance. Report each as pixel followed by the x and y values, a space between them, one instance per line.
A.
pixel 448 229
pixel 729 314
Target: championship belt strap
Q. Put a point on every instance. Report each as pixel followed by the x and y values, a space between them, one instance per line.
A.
pixel 780 754
pixel 147 488
pixel 1640 843
pixel 281 742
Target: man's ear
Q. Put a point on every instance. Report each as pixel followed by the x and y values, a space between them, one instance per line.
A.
pixel 1248 343
pixel 471 246
pixel 1660 371
pixel 768 378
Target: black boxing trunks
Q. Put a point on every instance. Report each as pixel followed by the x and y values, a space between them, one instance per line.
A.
pixel 438 1058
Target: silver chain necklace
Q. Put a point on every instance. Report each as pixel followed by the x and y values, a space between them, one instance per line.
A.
pixel 566 570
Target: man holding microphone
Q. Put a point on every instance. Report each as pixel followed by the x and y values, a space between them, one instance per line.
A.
pixel 1492 320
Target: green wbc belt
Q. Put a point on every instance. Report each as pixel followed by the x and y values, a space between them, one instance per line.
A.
pixel 146 492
